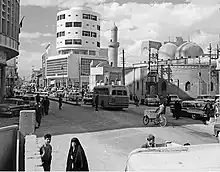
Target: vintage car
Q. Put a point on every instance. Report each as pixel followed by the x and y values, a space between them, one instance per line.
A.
pixel 30 99
pixel 152 100
pixel 59 93
pixel 177 158
pixel 16 104
pixel 73 96
pixel 173 98
pixel 8 111
pixel 217 131
pixel 206 98
pixel 88 98
pixel 191 108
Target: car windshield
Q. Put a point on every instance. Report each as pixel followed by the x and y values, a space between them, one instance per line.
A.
pixel 29 98
pixel 151 96
pixel 10 101
pixel 174 96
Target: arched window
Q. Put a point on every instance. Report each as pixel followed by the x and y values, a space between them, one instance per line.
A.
pixel 187 86
pixel 164 86
pixel 212 86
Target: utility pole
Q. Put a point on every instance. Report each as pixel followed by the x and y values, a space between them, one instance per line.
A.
pixel 123 66
pixel 217 54
pixel 79 70
pixel 149 58
pixel 210 67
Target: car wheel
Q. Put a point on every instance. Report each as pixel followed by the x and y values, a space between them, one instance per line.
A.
pixel 218 137
pixel 146 103
pixel 194 116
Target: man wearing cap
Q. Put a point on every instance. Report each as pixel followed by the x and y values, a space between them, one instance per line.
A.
pixel 150 142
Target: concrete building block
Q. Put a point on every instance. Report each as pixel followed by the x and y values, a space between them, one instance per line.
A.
pixel 32 154
pixel 27 122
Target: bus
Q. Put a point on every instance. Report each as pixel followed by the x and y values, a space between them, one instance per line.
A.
pixel 112 96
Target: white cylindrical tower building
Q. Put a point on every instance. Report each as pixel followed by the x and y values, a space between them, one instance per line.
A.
pixel 78 31
pixel 113 47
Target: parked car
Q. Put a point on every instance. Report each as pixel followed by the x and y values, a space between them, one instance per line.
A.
pixel 73 96
pixel 7 111
pixel 191 108
pixel 152 100
pixel 217 131
pixel 206 98
pixel 59 93
pixel 30 99
pixel 16 104
pixel 88 98
pixel 43 94
pixel 173 98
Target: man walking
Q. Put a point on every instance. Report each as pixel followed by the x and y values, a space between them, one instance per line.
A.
pixel 97 102
pixel 38 110
pixel 60 102
pixel 46 105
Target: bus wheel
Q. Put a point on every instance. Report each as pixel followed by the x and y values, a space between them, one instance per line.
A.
pixel 102 105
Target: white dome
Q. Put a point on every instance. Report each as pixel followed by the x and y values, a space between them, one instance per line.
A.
pixel 188 49
pixel 167 51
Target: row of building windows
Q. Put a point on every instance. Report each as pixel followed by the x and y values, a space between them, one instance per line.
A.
pixel 84 52
pixel 77 42
pixel 78 24
pixel 73 41
pixel 73 24
pixel 85 16
pixel 59 34
pixel 84 33
pixel 88 33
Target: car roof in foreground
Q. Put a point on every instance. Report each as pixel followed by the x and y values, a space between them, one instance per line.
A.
pixel 184 158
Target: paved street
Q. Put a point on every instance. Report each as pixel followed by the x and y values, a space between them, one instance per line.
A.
pixel 109 136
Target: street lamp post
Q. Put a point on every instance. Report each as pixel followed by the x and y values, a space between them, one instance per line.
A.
pixel 63 74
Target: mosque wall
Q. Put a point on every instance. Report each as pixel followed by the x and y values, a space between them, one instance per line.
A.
pixel 184 81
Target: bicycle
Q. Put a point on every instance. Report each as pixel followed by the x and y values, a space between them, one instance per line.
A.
pixel 151 116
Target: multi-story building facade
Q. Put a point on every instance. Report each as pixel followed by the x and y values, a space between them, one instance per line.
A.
pixel 77 44
pixel 11 75
pixel 78 31
pixel 9 36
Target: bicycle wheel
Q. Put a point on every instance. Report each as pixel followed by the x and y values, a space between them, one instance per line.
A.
pixel 146 120
pixel 163 121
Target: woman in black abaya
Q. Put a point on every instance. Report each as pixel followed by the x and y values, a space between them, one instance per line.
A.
pixel 76 160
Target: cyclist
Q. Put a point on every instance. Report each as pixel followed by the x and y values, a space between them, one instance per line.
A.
pixel 160 110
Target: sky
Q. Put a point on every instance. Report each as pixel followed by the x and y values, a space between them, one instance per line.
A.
pixel 137 21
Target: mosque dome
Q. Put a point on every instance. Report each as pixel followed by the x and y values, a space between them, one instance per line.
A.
pixel 188 50
pixel 103 64
pixel 167 51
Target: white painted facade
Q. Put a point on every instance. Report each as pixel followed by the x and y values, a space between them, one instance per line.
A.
pixel 82 26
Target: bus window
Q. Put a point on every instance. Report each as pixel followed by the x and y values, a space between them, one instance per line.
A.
pixel 114 92
pixel 124 93
pixel 119 93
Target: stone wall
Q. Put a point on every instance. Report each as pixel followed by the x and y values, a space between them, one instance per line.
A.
pixel 32 154
pixel 8 153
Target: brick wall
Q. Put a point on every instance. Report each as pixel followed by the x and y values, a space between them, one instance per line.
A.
pixel 32 154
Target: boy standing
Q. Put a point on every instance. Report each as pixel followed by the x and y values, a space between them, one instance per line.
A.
pixel 46 153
